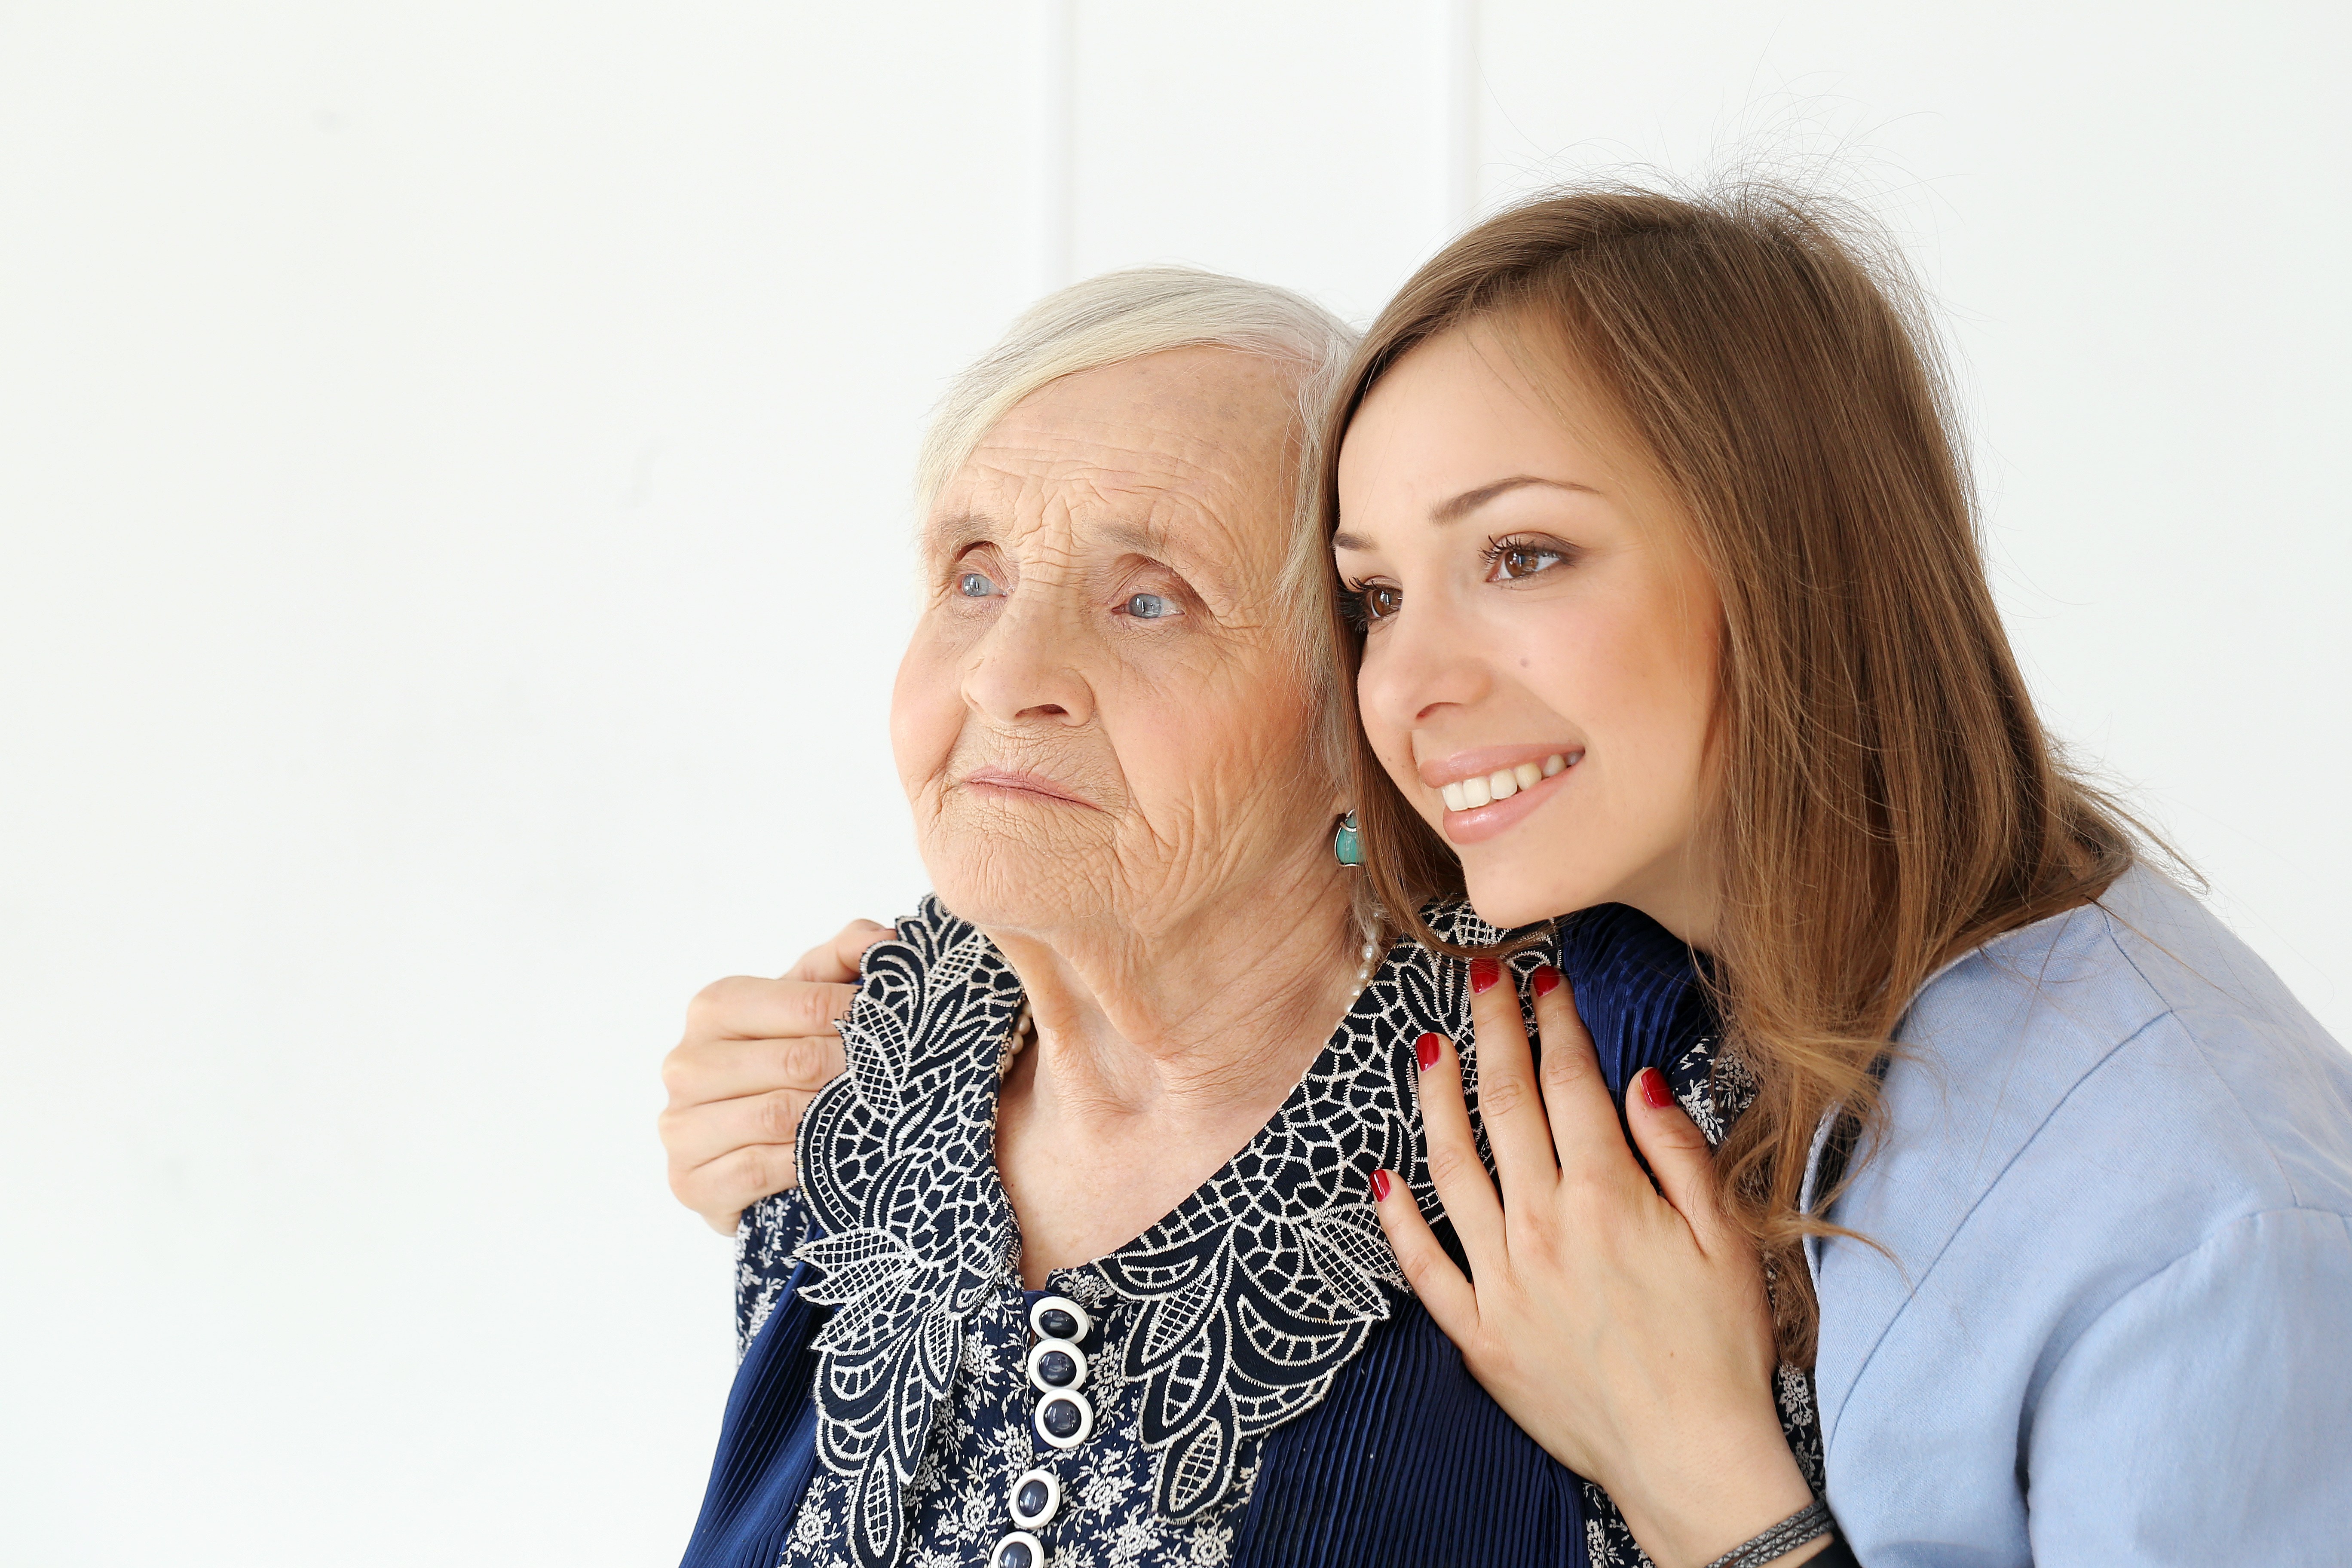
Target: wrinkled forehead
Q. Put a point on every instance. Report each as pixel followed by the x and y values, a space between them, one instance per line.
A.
pixel 1184 453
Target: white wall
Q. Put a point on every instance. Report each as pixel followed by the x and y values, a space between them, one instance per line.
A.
pixel 452 476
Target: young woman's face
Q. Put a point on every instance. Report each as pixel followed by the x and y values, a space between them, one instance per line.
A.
pixel 1541 641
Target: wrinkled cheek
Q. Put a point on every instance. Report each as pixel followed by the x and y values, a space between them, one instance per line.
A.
pixel 926 714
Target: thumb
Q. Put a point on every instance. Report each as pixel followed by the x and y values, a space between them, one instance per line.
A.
pixel 834 962
pixel 1679 1156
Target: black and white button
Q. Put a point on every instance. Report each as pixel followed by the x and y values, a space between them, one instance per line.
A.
pixel 1036 1499
pixel 1059 1318
pixel 1017 1549
pixel 1065 1420
pixel 1056 1366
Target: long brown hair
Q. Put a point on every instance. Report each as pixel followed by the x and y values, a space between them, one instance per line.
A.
pixel 1886 796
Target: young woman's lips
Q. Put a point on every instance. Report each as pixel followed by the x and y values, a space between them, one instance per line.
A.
pixel 1011 784
pixel 1477 824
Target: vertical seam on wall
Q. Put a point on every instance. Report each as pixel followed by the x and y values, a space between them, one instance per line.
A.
pixel 1056 109
pixel 1460 97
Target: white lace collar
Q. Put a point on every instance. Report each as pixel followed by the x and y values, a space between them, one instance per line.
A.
pixel 1247 1300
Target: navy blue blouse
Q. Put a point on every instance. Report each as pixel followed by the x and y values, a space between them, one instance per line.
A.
pixel 1255 1384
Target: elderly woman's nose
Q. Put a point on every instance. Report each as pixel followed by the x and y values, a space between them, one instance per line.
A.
pixel 1026 669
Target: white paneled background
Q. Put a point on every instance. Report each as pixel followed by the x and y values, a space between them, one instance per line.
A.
pixel 453 474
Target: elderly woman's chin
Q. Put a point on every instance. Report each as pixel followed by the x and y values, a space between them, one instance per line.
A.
pixel 1019 867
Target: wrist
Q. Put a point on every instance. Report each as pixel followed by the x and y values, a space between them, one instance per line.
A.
pixel 1708 1508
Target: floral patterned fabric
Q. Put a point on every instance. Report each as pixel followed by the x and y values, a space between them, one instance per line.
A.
pixel 1213 1330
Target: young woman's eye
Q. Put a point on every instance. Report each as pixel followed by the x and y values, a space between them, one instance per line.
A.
pixel 1509 558
pixel 974 585
pixel 1365 603
pixel 1149 607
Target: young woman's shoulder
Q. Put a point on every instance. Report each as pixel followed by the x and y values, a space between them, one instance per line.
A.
pixel 2139 1020
pixel 2115 1193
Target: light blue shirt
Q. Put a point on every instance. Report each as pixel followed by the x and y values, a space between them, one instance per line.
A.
pixel 2117 1324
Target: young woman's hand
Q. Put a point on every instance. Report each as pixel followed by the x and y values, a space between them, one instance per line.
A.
pixel 1625 1331
pixel 755 1052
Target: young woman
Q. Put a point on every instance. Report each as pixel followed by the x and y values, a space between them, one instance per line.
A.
pixel 1664 589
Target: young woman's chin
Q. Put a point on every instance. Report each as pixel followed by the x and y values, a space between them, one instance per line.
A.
pixel 1507 896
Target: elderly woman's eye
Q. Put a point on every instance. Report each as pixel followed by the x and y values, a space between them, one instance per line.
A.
pixel 973 585
pixel 1148 606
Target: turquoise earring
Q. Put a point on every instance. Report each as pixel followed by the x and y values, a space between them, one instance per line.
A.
pixel 1346 847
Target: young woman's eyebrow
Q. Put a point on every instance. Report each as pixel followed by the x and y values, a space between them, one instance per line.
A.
pixel 1468 501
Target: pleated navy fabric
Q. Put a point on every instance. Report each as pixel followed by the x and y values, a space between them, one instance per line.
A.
pixel 1404 1459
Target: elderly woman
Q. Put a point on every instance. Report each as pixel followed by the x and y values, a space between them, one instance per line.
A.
pixel 1082 1266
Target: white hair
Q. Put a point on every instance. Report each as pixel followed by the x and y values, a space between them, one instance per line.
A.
pixel 1121 316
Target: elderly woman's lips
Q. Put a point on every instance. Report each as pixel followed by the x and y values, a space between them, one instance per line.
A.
pixel 1012 782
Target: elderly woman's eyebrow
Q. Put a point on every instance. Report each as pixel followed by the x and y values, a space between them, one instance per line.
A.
pixel 958 532
pixel 1138 538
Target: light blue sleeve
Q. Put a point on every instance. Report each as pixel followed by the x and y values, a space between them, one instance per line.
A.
pixel 2206 1416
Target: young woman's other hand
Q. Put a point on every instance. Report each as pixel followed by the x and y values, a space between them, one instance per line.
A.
pixel 754 1052
pixel 1624 1327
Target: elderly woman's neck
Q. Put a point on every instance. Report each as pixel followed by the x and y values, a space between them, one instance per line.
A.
pixel 1156 1061
pixel 1194 1020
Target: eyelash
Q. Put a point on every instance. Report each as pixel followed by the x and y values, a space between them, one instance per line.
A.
pixel 1351 603
pixel 1496 549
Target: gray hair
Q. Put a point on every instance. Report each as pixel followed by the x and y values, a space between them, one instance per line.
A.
pixel 1120 316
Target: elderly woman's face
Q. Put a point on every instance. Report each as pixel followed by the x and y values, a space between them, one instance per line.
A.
pixel 1101 714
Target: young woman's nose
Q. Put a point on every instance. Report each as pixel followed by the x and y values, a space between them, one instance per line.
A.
pixel 1428 659
pixel 1027 667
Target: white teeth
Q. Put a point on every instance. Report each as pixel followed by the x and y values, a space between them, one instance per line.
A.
pixel 1469 795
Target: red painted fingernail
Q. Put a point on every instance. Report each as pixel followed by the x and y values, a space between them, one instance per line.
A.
pixel 1653 1089
pixel 1380 1186
pixel 1483 972
pixel 1426 1050
pixel 1546 978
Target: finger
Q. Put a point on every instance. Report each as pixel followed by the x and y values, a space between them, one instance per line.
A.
pixel 744 1007
pixel 1583 1114
pixel 698 1134
pixel 703 1070
pixel 1507 1101
pixel 1455 1168
pixel 720 1189
pixel 836 962
pixel 1680 1158
pixel 1447 1296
